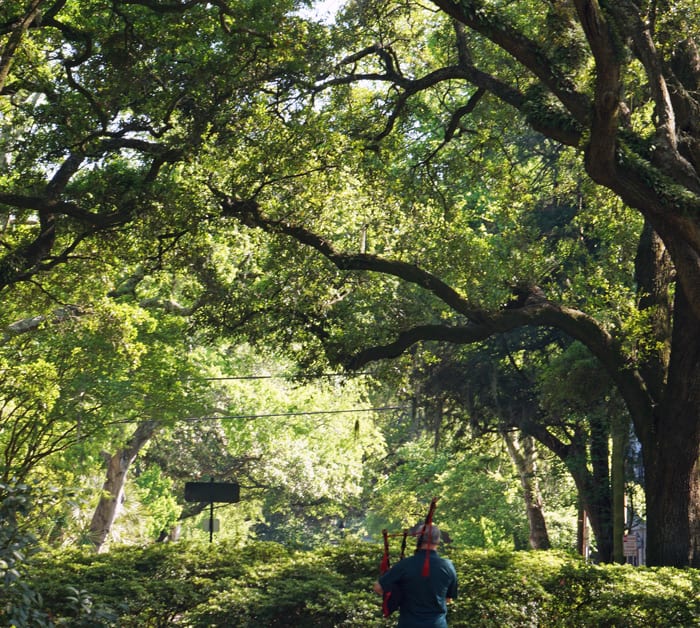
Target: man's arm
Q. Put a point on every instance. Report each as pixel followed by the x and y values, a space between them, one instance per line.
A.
pixel 452 590
pixel 378 588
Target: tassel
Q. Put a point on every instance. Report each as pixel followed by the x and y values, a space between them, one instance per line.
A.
pixel 426 564
pixel 427 527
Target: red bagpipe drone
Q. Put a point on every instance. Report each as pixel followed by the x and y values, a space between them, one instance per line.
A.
pixel 392 597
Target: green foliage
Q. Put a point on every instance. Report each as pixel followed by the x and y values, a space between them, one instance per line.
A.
pixel 479 498
pixel 20 604
pixel 137 127
pixel 267 584
pixel 587 383
pixel 157 499
pixel 297 446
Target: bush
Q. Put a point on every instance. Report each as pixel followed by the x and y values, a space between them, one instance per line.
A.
pixel 19 602
pixel 266 584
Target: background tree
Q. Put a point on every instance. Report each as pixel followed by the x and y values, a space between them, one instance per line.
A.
pixel 592 93
pixel 170 131
pixel 531 383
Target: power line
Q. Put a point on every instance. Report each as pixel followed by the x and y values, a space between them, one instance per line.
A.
pixel 297 376
pixel 287 414
pixel 249 417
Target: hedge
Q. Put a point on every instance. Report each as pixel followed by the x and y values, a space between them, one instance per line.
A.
pixel 269 585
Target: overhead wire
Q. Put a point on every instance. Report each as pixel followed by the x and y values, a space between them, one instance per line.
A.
pixel 283 376
pixel 288 414
pixel 235 417
pixel 248 417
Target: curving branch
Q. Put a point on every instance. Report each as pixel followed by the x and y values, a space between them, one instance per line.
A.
pixel 32 323
pixel 550 122
pixel 410 88
pixel 37 254
pixel 535 310
pixel 667 156
pixel 455 122
pixel 18 30
pixel 530 54
pixel 600 156
pixel 248 212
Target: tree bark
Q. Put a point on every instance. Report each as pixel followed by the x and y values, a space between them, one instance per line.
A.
pixel 113 488
pixel 581 531
pixel 524 456
pixel 591 483
pixel 672 449
pixel 595 500
pixel 599 497
pixel 620 439
pixel 15 39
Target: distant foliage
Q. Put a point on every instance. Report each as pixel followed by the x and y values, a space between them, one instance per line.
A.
pixel 267 584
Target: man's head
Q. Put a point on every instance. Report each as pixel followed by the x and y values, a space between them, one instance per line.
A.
pixel 431 535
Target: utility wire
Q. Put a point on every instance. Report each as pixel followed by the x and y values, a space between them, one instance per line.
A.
pixel 249 417
pixel 286 414
pixel 297 376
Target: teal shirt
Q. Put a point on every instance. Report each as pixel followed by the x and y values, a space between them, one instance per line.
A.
pixel 423 599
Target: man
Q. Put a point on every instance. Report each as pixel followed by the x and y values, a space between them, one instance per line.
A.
pixel 426 583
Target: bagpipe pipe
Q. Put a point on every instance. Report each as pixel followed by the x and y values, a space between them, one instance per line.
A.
pixel 392 597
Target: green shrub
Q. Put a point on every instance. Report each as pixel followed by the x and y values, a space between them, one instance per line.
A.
pixel 19 602
pixel 269 585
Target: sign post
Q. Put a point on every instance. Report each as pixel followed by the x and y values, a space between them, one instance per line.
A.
pixel 225 492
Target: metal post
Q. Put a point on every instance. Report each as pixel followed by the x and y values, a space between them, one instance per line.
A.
pixel 211 521
pixel 211 515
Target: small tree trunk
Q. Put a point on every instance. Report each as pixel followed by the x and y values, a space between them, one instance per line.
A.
pixel 524 456
pixel 593 487
pixel 591 484
pixel 596 505
pixel 598 497
pixel 620 439
pixel 113 488
pixel 581 531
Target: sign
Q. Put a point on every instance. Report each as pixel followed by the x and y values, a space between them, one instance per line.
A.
pixel 227 492
pixel 629 545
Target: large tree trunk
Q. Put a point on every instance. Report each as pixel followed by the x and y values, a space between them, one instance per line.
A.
pixel 672 449
pixel 524 456
pixel 113 488
pixel 669 433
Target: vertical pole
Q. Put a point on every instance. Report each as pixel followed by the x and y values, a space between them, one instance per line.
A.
pixel 211 515
pixel 211 521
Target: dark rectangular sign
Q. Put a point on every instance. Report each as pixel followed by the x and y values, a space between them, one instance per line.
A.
pixel 228 492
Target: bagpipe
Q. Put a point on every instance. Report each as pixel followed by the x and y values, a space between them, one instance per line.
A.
pixel 392 598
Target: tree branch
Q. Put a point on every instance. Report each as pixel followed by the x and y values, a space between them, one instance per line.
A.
pixel 604 124
pixel 248 212
pixel 16 35
pixel 492 25
pixel 536 310
pixel 667 156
